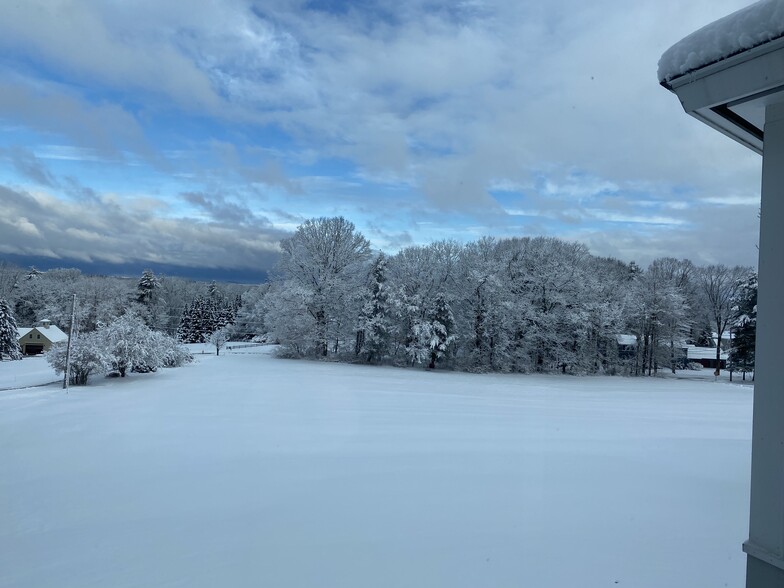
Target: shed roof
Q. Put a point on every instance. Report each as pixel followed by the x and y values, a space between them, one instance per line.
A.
pixel 735 33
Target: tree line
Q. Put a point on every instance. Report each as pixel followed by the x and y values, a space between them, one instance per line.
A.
pixel 523 304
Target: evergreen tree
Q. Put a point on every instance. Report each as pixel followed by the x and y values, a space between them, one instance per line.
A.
pixel 32 273
pixel 741 354
pixel 442 327
pixel 203 316
pixel 185 331
pixel 9 343
pixel 146 288
pixel 374 329
pixel 434 334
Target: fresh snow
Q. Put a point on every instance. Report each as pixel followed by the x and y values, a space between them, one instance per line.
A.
pixel 29 371
pixel 742 30
pixel 246 470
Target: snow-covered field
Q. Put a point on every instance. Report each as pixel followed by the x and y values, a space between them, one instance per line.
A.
pixel 30 371
pixel 245 470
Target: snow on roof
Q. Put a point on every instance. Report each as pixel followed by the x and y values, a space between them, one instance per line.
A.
pixel 53 333
pixel 693 352
pixel 740 31
pixel 626 339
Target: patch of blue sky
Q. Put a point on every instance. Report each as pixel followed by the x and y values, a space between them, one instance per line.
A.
pixel 376 13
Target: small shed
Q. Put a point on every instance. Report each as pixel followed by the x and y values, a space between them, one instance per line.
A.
pixel 38 339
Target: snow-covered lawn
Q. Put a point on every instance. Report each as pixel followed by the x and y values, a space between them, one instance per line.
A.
pixel 29 371
pixel 245 470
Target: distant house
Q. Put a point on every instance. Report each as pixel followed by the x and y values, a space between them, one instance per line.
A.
pixel 706 356
pixel 36 340
pixel 627 346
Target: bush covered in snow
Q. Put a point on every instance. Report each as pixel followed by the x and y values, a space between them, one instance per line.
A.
pixel 170 352
pixel 88 355
pixel 124 344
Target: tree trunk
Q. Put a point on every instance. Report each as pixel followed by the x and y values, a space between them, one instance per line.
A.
pixel 718 356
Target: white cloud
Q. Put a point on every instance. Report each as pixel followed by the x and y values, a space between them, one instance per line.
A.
pixel 445 102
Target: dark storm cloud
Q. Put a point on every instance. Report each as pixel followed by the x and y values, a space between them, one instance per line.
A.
pixel 127 231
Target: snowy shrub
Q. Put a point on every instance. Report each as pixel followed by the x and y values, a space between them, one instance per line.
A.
pixel 130 344
pixel 88 355
pixel 265 338
pixel 170 352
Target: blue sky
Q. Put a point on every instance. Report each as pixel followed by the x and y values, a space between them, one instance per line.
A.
pixel 193 136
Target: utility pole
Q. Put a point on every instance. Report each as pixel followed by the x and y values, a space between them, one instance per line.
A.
pixel 67 375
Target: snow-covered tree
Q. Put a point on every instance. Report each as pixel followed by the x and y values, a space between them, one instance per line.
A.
pixel 10 276
pixel 323 261
pixel 147 287
pixel 89 355
pixel 744 329
pixel 202 317
pixel 219 338
pixel 483 311
pixel 660 313
pixel 288 320
pixel 374 327
pixel 130 344
pixel 169 352
pixel 719 287
pixel 249 319
pixel 126 343
pixel 417 275
pixel 439 329
pixel 9 337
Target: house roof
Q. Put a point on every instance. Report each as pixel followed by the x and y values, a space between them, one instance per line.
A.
pixel 694 352
pixel 738 32
pixel 53 333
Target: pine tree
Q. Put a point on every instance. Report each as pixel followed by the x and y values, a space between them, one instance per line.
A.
pixel 32 273
pixel 9 343
pixel 374 328
pixel 203 316
pixel 146 288
pixel 442 327
pixel 741 356
pixel 186 331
